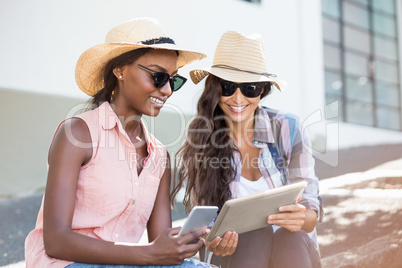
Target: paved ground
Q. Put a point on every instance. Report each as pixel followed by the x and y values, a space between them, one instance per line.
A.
pixel 362 200
pixel 18 217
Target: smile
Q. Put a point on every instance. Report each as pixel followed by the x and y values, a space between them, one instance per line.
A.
pixel 237 109
pixel 155 100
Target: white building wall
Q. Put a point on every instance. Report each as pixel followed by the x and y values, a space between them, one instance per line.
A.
pixel 42 40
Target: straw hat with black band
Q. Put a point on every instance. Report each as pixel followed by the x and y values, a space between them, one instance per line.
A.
pixel 133 34
pixel 239 58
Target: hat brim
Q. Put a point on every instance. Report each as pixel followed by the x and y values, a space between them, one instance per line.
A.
pixel 235 76
pixel 91 64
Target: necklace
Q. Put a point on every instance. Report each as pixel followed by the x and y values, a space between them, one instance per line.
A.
pixel 137 137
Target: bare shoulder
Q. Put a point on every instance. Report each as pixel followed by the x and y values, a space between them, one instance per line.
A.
pixel 73 138
pixel 76 131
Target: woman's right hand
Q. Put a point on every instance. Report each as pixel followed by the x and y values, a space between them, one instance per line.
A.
pixel 170 249
pixel 223 246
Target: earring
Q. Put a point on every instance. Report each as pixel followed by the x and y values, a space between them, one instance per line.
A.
pixel 120 77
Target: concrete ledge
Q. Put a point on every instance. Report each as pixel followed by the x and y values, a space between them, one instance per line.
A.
pixel 362 226
pixel 15 265
pixel 385 251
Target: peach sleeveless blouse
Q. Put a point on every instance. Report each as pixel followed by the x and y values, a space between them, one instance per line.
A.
pixel 112 202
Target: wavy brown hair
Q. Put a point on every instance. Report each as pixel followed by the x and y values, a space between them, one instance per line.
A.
pixel 204 162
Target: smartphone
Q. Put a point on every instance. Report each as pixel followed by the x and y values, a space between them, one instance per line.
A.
pixel 199 218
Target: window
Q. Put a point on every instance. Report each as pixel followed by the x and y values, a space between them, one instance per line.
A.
pixel 361 61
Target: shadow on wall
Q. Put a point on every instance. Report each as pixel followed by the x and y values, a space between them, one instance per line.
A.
pixel 29 121
pixel 358 159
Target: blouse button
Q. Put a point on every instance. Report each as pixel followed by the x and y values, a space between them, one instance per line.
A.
pixel 135 183
pixel 133 202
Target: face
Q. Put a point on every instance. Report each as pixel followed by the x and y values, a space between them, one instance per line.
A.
pixel 137 90
pixel 239 108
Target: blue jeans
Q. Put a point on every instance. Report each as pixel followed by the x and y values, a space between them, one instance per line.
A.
pixel 185 264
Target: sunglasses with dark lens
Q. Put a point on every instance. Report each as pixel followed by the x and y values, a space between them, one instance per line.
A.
pixel 161 78
pixel 249 90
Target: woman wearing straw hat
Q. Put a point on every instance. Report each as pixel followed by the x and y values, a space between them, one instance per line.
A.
pixel 108 178
pixel 236 148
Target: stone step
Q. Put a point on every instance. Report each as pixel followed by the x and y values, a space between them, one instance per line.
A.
pixel 385 251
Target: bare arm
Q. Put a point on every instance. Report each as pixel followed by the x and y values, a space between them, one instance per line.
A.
pixel 161 216
pixel 65 161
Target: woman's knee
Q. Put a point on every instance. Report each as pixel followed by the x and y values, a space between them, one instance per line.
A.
pixel 286 235
pixel 295 244
pixel 284 239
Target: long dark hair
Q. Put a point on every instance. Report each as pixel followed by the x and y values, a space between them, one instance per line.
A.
pixel 204 162
pixel 110 80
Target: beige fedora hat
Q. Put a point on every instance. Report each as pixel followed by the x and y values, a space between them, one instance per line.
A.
pixel 241 59
pixel 133 34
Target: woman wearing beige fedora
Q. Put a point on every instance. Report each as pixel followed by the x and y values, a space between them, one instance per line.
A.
pixel 236 148
pixel 108 178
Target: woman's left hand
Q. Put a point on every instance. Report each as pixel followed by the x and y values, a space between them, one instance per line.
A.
pixel 292 217
pixel 223 246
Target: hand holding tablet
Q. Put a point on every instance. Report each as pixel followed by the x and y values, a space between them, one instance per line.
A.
pixel 251 212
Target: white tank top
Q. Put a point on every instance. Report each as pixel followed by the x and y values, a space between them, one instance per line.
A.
pixel 247 187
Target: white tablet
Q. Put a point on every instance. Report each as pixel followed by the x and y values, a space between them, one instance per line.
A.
pixel 251 212
pixel 199 218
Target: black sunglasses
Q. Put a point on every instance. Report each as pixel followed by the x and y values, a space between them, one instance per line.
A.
pixel 161 78
pixel 249 90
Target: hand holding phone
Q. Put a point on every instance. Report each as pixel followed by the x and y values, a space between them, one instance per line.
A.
pixel 199 218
